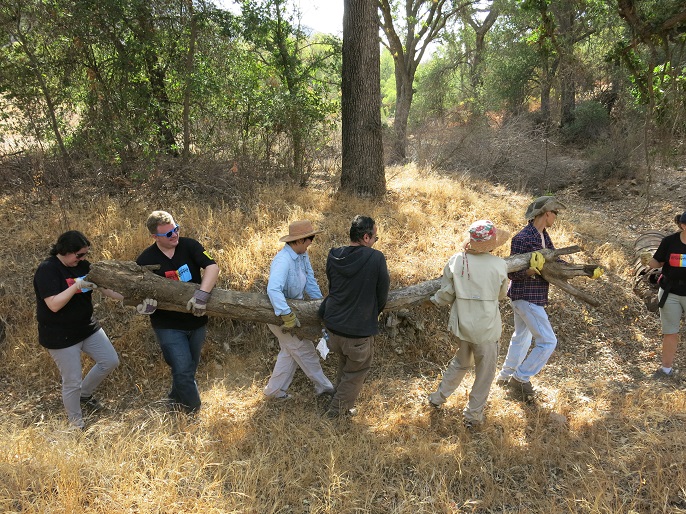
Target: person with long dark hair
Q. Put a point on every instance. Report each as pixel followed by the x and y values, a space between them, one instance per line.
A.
pixel 67 327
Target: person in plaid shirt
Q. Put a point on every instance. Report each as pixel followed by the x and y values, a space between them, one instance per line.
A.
pixel 528 292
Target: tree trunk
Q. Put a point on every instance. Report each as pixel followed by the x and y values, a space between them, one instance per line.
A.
pixel 137 283
pixel 363 170
pixel 188 87
pixel 403 100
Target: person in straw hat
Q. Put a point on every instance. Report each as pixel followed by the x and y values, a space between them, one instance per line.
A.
pixel 473 283
pixel 291 277
pixel 529 295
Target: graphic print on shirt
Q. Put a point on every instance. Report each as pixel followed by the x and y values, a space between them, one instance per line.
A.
pixel 677 260
pixel 183 274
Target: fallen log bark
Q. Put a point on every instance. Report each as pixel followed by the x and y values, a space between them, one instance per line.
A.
pixel 136 283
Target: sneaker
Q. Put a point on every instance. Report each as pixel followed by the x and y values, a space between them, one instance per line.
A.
pixel 521 390
pixel 469 425
pixel 502 382
pixel 661 375
pixel 91 403
pixel 283 398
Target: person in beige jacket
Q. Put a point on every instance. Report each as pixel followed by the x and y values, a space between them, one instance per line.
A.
pixel 473 282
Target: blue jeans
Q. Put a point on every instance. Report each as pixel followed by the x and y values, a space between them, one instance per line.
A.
pixel 181 350
pixel 530 321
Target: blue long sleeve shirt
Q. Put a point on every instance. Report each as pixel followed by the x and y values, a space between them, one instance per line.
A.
pixel 291 276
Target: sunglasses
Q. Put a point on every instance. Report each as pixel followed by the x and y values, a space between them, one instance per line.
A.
pixel 310 238
pixel 554 212
pixel 81 255
pixel 173 231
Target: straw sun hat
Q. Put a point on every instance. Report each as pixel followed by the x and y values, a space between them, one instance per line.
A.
pixel 299 230
pixel 483 237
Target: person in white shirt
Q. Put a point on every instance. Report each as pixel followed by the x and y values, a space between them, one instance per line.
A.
pixel 473 283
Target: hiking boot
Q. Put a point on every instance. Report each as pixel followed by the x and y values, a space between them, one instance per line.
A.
pixel 502 382
pixel 521 390
pixel 91 404
pixel 432 404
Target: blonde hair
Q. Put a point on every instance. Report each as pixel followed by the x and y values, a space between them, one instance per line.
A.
pixel 157 218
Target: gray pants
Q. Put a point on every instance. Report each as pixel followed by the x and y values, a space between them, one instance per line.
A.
pixel 295 352
pixel 354 362
pixel 99 348
pixel 484 357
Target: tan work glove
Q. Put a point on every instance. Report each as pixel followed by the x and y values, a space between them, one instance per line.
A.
pixel 290 321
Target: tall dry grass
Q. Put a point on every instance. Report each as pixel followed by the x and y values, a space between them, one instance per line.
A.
pixel 603 438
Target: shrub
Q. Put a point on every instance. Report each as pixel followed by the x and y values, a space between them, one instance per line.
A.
pixel 591 123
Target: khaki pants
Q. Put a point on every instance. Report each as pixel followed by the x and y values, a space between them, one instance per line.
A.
pixel 484 357
pixel 355 357
pixel 295 352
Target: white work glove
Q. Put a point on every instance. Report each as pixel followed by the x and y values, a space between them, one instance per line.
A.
pixel 198 304
pixel 83 284
pixel 147 306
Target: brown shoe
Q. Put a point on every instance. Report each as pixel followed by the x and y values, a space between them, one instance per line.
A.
pixel 523 391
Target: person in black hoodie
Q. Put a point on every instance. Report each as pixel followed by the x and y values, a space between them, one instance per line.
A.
pixel 358 290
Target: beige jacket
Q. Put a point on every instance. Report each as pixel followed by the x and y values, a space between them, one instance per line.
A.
pixel 473 286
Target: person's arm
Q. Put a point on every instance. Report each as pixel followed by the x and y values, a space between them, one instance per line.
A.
pixel 209 278
pixel 446 294
pixel 311 286
pixel 502 294
pixel 521 244
pixel 56 302
pixel 278 274
pixel 383 283
pixel 111 294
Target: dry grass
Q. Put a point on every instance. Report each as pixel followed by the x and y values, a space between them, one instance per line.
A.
pixel 603 439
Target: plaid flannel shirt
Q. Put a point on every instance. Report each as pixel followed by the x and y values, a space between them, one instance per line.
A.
pixel 533 288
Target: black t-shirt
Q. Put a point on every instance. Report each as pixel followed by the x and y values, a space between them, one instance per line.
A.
pixel 673 253
pixel 72 323
pixel 185 265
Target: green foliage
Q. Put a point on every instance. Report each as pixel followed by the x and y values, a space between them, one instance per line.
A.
pixel 591 123
pixel 508 80
pixel 115 75
pixel 388 94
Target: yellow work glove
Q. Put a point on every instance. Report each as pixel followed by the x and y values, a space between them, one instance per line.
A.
pixel 597 273
pixel 536 262
pixel 290 321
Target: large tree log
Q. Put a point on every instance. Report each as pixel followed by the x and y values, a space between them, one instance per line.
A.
pixel 136 283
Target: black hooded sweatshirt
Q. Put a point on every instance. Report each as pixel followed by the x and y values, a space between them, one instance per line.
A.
pixel 358 290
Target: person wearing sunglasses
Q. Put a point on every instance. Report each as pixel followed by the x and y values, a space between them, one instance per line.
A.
pixel 358 290
pixel 528 292
pixel 291 277
pixel 67 327
pixel 181 336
